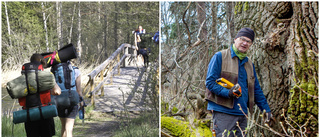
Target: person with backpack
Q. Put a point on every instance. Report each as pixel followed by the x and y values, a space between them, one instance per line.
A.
pixel 233 65
pixel 43 127
pixel 69 80
pixel 140 47
pixel 139 32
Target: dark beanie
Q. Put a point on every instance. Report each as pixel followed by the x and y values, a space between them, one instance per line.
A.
pixel 247 32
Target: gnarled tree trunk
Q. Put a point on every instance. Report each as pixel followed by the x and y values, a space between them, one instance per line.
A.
pixel 285 54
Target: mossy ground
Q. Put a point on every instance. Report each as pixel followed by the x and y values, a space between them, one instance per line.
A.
pixel 183 129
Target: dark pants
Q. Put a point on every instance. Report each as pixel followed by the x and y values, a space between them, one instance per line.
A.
pixel 224 123
pixel 40 128
pixel 144 52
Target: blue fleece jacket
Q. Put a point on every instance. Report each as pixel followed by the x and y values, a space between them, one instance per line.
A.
pixel 214 72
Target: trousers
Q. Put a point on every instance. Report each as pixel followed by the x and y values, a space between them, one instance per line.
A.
pixel 226 125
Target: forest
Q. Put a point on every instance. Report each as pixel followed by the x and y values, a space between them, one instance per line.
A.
pixel 284 52
pixel 96 29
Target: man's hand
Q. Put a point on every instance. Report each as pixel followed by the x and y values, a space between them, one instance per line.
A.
pixel 234 91
pixel 268 118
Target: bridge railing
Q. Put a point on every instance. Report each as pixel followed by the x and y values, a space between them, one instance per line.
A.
pixel 104 71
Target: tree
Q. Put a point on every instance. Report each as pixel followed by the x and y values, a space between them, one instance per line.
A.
pixel 79 47
pixel 285 54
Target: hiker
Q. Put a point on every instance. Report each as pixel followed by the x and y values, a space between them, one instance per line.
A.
pixel 43 127
pixel 141 47
pixel 139 32
pixel 69 79
pixel 233 65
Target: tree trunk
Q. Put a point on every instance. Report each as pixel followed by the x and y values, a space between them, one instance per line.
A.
pixel 230 21
pixel 115 29
pixel 59 23
pixel 214 32
pixel 79 35
pixel 105 31
pixel 285 54
pixel 45 26
pixel 8 23
pixel 71 27
pixel 201 15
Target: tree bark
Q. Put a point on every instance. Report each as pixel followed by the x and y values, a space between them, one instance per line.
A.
pixel 285 57
pixel 230 21
pixel 8 23
pixel 79 34
pixel 72 19
pixel 201 15
pixel 45 26
pixel 115 29
pixel 59 23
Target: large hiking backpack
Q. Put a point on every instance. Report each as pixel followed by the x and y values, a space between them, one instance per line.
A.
pixel 65 77
pixel 36 105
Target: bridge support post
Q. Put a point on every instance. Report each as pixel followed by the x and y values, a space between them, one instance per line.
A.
pixel 118 60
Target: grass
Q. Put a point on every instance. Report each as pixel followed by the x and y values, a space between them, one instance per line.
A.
pixel 18 129
pixel 147 125
pixel 7 125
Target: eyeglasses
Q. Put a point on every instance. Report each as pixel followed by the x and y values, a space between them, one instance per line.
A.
pixel 244 40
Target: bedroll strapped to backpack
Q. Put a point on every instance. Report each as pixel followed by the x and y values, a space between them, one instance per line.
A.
pixel 65 78
pixel 62 55
pixel 35 105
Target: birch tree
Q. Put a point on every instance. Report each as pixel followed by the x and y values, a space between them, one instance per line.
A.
pixel 8 23
pixel 59 23
pixel 45 25
pixel 79 34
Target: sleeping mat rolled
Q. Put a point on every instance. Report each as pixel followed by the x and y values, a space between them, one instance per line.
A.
pixel 47 112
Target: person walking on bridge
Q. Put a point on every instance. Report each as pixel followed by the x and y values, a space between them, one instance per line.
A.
pixel 233 65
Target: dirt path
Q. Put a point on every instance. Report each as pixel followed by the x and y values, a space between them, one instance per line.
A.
pixel 97 124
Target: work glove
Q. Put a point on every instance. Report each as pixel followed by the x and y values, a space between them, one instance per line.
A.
pixel 235 92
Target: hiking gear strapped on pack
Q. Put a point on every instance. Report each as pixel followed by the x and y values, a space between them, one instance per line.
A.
pixel 35 105
pixel 62 55
pixel 235 90
pixel 65 78
pixel 18 90
pixel 35 114
pixel 66 99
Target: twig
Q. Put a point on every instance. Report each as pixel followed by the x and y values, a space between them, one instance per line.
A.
pixel 307 93
pixel 283 129
pixel 194 110
pixel 240 129
pixel 200 29
pixel 183 19
pixel 269 128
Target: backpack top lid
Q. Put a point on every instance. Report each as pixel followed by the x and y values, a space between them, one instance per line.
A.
pixel 31 67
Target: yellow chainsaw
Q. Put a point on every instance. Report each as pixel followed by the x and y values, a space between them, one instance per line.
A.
pixel 227 84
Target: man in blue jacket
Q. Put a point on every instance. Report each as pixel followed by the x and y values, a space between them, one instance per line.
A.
pixel 234 65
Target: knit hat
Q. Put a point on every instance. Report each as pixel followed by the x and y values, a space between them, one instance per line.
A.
pixel 247 32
